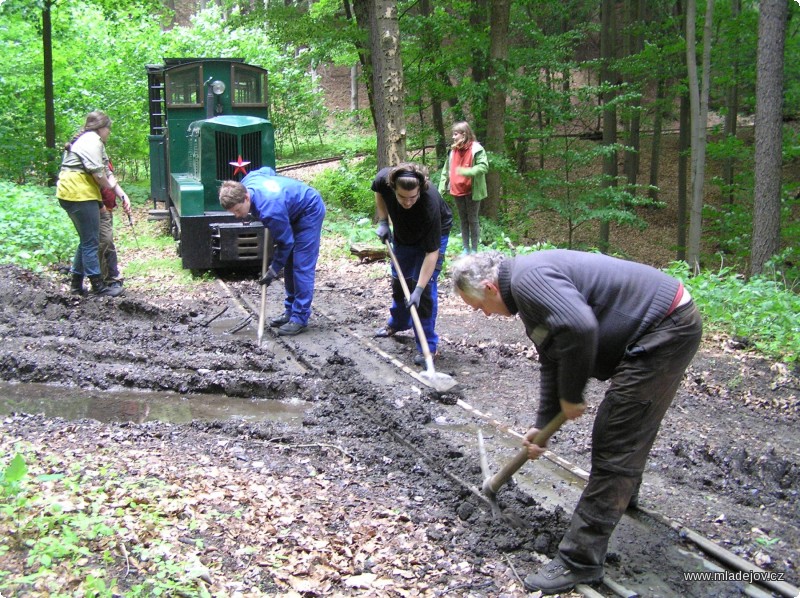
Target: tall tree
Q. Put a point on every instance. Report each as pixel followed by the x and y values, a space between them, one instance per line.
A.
pixel 608 84
pixel 769 108
pixel 496 105
pixel 387 77
pixel 698 100
pixel 49 105
pixel 731 106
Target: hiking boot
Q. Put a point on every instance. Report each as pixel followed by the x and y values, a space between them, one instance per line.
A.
pixel 385 332
pixel 557 577
pixel 291 329
pixel 100 289
pixel 279 321
pixel 76 285
pixel 419 358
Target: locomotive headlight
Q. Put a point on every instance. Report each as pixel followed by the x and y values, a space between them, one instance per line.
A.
pixel 218 87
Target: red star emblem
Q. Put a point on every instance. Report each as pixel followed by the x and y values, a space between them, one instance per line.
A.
pixel 240 166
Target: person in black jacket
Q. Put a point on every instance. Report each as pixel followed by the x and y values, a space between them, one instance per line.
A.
pixel 421 220
pixel 591 315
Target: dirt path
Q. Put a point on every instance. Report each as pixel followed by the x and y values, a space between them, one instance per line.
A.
pixel 354 501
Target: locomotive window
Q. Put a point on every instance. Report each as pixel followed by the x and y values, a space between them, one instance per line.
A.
pixel 249 86
pixel 185 86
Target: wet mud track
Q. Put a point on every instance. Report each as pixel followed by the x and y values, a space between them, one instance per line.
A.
pixel 418 451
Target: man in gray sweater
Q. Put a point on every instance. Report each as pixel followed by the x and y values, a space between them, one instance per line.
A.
pixel 592 316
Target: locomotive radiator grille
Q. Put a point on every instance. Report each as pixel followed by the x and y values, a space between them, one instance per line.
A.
pixel 251 149
pixel 227 152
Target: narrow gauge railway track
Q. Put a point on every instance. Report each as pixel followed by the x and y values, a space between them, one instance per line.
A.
pixel 381 365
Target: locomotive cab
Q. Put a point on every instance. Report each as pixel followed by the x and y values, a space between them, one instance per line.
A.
pixel 208 123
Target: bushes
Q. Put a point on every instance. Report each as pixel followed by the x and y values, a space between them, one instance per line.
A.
pixel 762 311
pixel 348 185
pixel 34 231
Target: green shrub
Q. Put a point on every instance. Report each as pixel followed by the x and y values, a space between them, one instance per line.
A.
pixel 761 310
pixel 348 185
pixel 35 231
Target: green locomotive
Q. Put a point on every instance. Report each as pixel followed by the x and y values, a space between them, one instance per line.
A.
pixel 209 122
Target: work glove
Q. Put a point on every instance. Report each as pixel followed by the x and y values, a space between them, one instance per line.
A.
pixel 268 278
pixel 414 298
pixel 383 231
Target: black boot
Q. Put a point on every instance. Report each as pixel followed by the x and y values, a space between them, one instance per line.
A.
pixel 76 287
pixel 100 289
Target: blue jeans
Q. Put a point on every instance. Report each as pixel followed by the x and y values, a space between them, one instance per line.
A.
pixel 85 215
pixel 410 258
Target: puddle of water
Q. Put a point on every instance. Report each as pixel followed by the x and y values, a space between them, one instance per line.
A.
pixel 129 406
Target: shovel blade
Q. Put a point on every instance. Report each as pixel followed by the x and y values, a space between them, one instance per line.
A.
pixel 438 381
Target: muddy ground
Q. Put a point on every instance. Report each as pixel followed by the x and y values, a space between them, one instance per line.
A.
pixel 369 495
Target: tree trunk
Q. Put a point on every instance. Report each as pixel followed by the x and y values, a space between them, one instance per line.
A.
pixel 610 112
pixel 769 109
pixel 732 107
pixel 655 145
pixel 387 79
pixel 684 148
pixel 496 105
pixel 49 104
pixel 477 19
pixel 354 87
pixel 699 105
pixel 360 14
pixel 432 43
pixel 636 12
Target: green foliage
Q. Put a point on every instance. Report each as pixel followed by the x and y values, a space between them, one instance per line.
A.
pixel 64 520
pixel 348 185
pixel 761 310
pixel 35 231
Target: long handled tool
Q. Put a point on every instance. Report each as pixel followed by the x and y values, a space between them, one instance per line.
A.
pixel 492 484
pixel 262 312
pixel 133 230
pixel 437 381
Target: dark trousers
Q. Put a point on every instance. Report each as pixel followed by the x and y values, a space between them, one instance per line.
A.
pixel 470 224
pixel 85 216
pixel 641 391
pixel 410 258
pixel 107 250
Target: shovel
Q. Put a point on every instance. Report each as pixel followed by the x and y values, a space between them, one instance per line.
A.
pixel 439 382
pixel 262 312
pixel 492 484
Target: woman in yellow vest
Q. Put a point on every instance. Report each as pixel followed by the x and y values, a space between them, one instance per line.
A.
pixel 84 172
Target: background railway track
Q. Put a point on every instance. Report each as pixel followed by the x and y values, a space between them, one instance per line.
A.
pixel 333 338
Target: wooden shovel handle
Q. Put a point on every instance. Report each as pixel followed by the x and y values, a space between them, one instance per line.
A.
pixel 423 341
pixel 493 484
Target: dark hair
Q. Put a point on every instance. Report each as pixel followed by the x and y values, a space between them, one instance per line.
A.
pixel 94 120
pixel 408 176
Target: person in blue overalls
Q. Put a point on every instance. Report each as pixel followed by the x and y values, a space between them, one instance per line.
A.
pixel 293 213
pixel 421 221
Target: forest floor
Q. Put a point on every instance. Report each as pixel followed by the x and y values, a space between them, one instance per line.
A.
pixel 361 495
pixel 366 492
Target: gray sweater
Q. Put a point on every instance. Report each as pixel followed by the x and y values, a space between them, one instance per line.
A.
pixel 581 310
